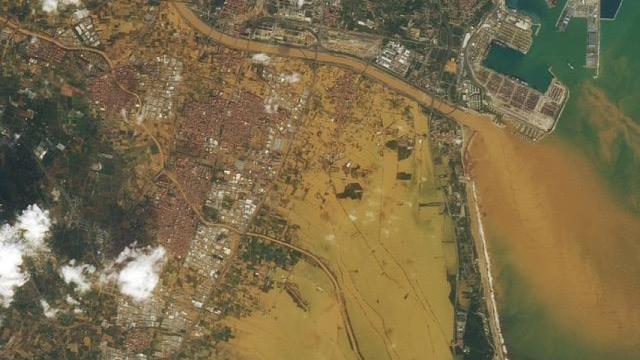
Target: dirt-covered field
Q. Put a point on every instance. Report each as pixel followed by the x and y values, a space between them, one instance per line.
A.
pixel 386 251
pixel 279 329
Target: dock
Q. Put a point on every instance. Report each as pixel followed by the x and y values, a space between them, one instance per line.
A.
pixel 590 11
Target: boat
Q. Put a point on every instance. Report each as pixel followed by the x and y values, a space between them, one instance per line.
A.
pixel 571 65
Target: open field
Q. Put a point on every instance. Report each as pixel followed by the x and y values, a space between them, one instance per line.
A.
pixel 387 251
pixel 281 330
pixel 562 230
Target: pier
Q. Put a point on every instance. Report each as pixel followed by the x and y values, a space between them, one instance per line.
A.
pixel 590 11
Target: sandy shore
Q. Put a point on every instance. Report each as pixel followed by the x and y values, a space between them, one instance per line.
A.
pixel 562 230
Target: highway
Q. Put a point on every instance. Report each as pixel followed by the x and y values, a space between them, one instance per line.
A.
pixel 359 66
pixel 16 27
pixel 311 257
pixel 353 342
pixel 467 117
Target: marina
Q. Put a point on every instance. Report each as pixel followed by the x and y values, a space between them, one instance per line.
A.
pixel 505 38
pixel 533 328
pixel 590 11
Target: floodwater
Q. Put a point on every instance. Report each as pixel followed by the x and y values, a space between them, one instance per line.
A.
pixel 562 243
pixel 280 330
pixel 388 253
pixel 563 216
pixel 386 250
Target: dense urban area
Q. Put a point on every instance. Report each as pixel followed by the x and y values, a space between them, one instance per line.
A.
pixel 157 184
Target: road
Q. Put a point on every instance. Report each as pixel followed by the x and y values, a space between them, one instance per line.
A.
pixel 472 119
pixel 353 342
pixel 465 117
pixel 306 253
pixel 322 56
pixel 16 27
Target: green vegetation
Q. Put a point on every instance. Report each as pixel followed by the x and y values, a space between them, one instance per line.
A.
pixel 352 11
pixel 392 14
pixel 224 334
pixel 203 347
pixel 19 174
pixel 255 251
pixel 71 242
pixel 480 348
pixel 50 145
pixel 19 9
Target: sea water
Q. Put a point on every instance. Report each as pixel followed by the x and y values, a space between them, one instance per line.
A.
pixel 529 329
pixel 609 8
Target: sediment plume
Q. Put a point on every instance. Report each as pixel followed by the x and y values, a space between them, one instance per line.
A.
pixel 564 232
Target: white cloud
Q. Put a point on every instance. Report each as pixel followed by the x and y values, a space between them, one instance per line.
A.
pixel 49 5
pixel 23 238
pixel 34 223
pixel 11 275
pixel 139 276
pixel 52 5
pixel 301 3
pixel 290 78
pixel 71 301
pixel 77 275
pixel 261 58
pixel 49 312
pixel 74 304
pixel 271 105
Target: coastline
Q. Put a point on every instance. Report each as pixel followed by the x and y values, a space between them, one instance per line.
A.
pixel 484 259
pixel 485 262
pixel 563 295
pixel 541 219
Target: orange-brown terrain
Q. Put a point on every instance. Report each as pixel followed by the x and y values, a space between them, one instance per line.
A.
pixel 560 227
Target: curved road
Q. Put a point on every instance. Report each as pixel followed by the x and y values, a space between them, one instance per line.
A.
pixel 399 85
pixel 353 341
pixel 467 117
pixel 306 253
pixel 49 39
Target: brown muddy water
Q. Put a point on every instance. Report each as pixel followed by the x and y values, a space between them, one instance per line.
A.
pixel 574 249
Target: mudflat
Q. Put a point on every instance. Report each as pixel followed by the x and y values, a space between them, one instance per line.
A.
pixel 387 252
pixel 577 249
pixel 390 255
pixel 281 330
